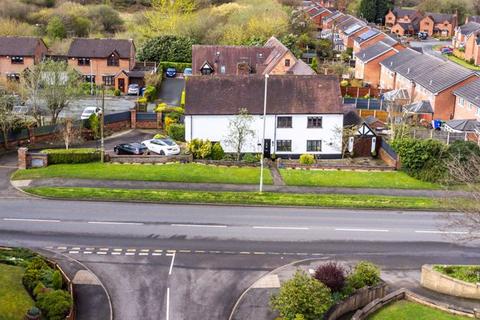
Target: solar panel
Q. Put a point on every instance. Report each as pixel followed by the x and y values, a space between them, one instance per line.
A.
pixel 366 35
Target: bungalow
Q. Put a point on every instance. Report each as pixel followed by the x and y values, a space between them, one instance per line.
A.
pixel 304 113
pixel 272 58
pixel 467 103
pixel 18 54
pixel 389 65
pixel 399 15
pixel 367 66
pixel 463 32
pixel 440 24
pixel 101 60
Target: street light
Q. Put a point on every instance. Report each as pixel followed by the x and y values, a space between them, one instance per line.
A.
pixel 263 135
pixel 102 115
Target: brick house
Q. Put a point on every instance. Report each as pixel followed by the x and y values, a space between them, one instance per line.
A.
pixel 399 15
pixel 272 58
pixel 317 14
pixel 472 19
pixel 389 65
pixel 367 66
pixel 18 54
pixel 103 61
pixel 348 33
pixel 332 19
pixel 472 47
pixel 370 37
pixel 467 103
pixel 440 24
pixel 463 32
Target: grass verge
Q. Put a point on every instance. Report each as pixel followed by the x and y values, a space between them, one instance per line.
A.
pixel 462 62
pixel 14 299
pixel 464 273
pixel 247 198
pixel 189 172
pixel 354 179
pixel 406 310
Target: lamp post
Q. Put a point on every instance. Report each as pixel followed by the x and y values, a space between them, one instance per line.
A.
pixel 263 134
pixel 102 115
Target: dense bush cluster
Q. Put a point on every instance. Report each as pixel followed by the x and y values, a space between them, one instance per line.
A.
pixel 80 155
pixel 307 159
pixel 176 131
pixel 204 149
pixel 167 48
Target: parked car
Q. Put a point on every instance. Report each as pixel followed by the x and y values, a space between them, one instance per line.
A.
pixel 88 111
pixel 164 146
pixel 131 148
pixel 187 72
pixel 171 72
pixel 133 89
pixel 447 50
pixel 422 35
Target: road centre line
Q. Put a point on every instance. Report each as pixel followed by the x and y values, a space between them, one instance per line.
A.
pixel 280 228
pixel 31 220
pixel 167 317
pixel 116 223
pixel 361 230
pixel 171 263
pixel 198 225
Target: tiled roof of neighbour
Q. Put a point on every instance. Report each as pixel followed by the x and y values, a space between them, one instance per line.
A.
pixel 474 19
pixel 421 107
pixel 389 40
pixel 317 11
pixel 100 48
pixel 372 51
pixel 440 17
pixel 421 64
pixel 278 51
pixel 463 125
pixel 332 16
pixel 469 28
pixel 400 58
pixel 18 46
pixel 354 28
pixel 443 77
pixel 400 12
pixel 301 68
pixel 287 94
pixel 369 34
pixel 470 92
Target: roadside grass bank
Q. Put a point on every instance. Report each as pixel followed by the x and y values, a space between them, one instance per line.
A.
pixel 14 299
pixel 407 310
pixel 354 179
pixel 242 198
pixel 189 172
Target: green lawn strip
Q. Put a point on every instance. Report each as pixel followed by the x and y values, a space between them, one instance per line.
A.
pixel 190 172
pixel 354 179
pixel 406 310
pixel 463 63
pixel 464 273
pixel 14 299
pixel 248 198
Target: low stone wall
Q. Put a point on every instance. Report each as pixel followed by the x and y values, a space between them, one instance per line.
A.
pixel 404 294
pixel 227 163
pixel 389 160
pixel 27 160
pixel 442 283
pixel 325 165
pixel 148 159
pixel 358 300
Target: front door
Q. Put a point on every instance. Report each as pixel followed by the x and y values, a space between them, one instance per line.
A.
pixel 121 84
pixel 266 148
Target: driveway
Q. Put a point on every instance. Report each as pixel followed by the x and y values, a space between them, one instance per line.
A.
pixel 8 164
pixel 171 91
pixel 427 47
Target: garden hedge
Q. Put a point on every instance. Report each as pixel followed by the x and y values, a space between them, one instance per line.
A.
pixel 80 155
pixel 179 66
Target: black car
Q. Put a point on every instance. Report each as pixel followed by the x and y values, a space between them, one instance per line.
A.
pixel 131 148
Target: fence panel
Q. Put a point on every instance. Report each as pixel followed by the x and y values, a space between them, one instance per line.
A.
pixel 117 117
pixel 146 116
pixel 388 148
pixel 18 135
pixel 40 131
pixel 442 136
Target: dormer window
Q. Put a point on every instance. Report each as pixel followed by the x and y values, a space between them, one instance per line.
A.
pixel 83 61
pixel 287 62
pixel 113 60
pixel 16 60
pixel 206 69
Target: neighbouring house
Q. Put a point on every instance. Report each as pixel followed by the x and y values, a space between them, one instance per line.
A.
pixel 109 62
pixel 439 24
pixel 406 28
pixel 317 14
pixel 367 38
pixel 367 65
pixel 330 21
pixel 463 32
pixel 272 58
pixel 472 19
pixel 467 103
pixel 348 33
pixel 470 127
pixel 304 113
pixel 400 15
pixel 472 47
pixel 389 65
pixel 18 54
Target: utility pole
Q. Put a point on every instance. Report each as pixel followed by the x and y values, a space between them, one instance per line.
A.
pixel 102 142
pixel 263 135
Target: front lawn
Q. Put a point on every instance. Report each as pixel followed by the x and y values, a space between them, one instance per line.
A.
pixel 248 198
pixel 354 179
pixel 406 310
pixel 462 62
pixel 190 172
pixel 464 273
pixel 14 299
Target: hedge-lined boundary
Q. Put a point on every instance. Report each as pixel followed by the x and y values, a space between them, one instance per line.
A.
pixel 179 66
pixel 79 155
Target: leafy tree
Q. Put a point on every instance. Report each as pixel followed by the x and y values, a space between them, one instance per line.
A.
pixel 167 48
pixel 324 48
pixel 239 131
pixel 167 17
pixel 107 17
pixel 56 28
pixel 7 117
pixel 302 296
pixel 367 10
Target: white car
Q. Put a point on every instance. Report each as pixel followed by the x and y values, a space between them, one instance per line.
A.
pixel 88 111
pixel 133 89
pixel 164 146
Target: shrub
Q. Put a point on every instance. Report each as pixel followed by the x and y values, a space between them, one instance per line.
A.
pixel 302 295
pixel 36 271
pixel 364 274
pixel 55 304
pixel 159 136
pixel 179 66
pixel 200 149
pixel 150 93
pixel 57 281
pixel 332 275
pixel 117 92
pixel 463 150
pixel 168 122
pixel 142 100
pixel 39 289
pixel 80 155
pixel 307 159
pixel 167 48
pixel 250 158
pixel 217 151
pixel 176 131
pixel 94 123
pixel 183 98
pixel 344 83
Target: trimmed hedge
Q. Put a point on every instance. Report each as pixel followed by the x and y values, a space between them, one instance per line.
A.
pixel 179 66
pixel 80 155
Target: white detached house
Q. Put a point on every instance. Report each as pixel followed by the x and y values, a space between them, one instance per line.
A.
pixel 304 113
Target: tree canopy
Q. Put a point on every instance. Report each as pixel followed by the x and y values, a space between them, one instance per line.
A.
pixel 167 48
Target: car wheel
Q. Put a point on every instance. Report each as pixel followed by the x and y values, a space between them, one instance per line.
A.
pixel 117 152
pixel 162 153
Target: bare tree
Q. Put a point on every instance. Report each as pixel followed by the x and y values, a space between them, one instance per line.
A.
pixel 464 169
pixel 31 85
pixel 69 133
pixel 239 131
pixel 7 117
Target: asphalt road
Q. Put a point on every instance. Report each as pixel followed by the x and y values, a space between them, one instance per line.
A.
pixel 171 91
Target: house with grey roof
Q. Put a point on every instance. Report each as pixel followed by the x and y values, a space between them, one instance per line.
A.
pixel 463 32
pixel 440 24
pixel 467 104
pixel 19 53
pixel 388 66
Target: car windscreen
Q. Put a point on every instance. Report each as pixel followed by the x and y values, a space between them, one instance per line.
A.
pixel 168 142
